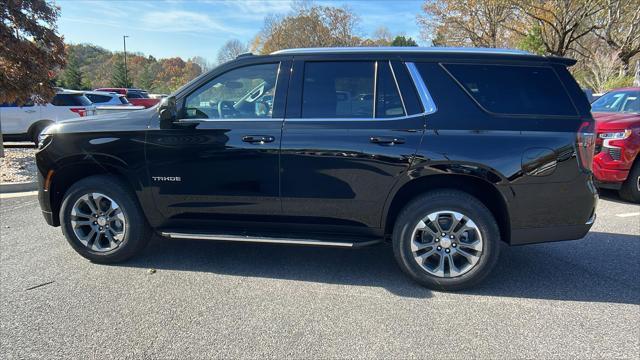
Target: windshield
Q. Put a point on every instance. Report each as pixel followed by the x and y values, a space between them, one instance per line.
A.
pixel 625 101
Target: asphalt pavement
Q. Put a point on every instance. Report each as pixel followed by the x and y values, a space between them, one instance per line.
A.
pixel 232 300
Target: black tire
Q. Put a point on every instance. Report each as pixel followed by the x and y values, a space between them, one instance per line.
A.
pixel 446 200
pixel 37 129
pixel 136 233
pixel 630 190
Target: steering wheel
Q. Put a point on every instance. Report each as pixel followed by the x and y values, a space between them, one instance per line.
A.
pixel 226 109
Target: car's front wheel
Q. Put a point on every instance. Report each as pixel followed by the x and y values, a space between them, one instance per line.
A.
pixel 630 190
pixel 102 220
pixel 446 240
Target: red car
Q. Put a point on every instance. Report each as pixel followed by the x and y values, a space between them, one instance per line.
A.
pixel 136 97
pixel 616 163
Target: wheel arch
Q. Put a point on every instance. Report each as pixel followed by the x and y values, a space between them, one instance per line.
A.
pixel 35 125
pixel 482 189
pixel 77 169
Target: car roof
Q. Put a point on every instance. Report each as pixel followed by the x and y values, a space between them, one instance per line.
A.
pixel 69 92
pixel 102 93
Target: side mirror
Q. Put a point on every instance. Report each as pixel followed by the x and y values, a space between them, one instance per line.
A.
pixel 167 110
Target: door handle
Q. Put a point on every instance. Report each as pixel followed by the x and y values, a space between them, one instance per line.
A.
pixel 29 111
pixel 258 139
pixel 386 140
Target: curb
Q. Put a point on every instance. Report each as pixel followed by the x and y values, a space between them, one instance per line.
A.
pixel 18 187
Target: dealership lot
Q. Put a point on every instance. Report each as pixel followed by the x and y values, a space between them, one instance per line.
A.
pixel 205 299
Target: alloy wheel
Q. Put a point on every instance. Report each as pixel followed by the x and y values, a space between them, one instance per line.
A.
pixel 98 222
pixel 446 244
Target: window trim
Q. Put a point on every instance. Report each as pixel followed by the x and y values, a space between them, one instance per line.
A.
pixel 547 116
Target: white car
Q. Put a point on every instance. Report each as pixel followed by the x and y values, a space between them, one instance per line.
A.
pixel 102 98
pixel 26 122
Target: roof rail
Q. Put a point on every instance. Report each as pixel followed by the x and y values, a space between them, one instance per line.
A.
pixel 402 49
pixel 244 55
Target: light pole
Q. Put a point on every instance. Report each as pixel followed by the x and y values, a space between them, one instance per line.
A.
pixel 124 40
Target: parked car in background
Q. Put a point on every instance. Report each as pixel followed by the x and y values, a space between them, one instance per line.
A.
pixel 106 98
pixel 26 122
pixel 616 163
pixel 158 96
pixel 135 96
pixel 457 152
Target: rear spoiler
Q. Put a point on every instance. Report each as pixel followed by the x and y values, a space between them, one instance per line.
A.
pixel 562 60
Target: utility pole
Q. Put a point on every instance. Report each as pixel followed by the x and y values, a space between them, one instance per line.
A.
pixel 124 40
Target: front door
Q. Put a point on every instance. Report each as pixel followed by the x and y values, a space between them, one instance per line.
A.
pixel 219 163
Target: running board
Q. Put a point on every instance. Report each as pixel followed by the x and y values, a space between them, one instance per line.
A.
pixel 265 239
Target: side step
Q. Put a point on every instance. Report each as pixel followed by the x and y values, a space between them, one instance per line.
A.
pixel 267 239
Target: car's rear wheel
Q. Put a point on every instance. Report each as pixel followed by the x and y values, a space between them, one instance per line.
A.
pixel 446 240
pixel 630 189
pixel 102 220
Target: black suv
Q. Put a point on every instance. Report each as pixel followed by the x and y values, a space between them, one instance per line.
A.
pixel 445 153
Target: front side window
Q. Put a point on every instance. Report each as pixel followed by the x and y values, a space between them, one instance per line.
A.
pixel 244 93
pixel 618 101
pixel 516 90
pixel 338 89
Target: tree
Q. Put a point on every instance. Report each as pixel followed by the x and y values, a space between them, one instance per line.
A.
pixel 31 51
pixel 118 77
pixel 561 23
pixel 308 25
pixel 145 78
pixel 72 76
pixel 601 69
pixel 403 41
pixel 621 29
pixel 476 23
pixel 230 50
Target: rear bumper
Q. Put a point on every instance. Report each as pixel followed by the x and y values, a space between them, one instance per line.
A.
pixel 559 233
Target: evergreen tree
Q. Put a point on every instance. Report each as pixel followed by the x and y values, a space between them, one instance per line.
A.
pixel 118 78
pixel 403 41
pixel 145 79
pixel 72 76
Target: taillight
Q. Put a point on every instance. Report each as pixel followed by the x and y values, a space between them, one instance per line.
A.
pixel 585 142
pixel 79 111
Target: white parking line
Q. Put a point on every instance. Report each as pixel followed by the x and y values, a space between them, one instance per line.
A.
pixel 18 194
pixel 628 214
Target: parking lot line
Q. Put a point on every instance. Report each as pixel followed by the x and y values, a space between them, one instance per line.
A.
pixel 17 194
pixel 628 214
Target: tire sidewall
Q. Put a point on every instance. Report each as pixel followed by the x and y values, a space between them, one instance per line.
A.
pixel 132 234
pixel 470 207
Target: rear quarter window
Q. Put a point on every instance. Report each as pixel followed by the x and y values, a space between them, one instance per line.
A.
pixel 514 90
pixel 70 100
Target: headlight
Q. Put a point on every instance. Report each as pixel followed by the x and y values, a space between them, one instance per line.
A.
pixel 618 135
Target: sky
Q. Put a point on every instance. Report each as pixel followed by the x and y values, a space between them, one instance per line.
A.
pixel 188 28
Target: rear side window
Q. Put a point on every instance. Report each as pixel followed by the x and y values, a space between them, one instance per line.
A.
pixel 70 100
pixel 516 90
pixel 388 100
pixel 98 98
pixel 338 89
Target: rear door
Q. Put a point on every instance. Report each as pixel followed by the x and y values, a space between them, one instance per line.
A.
pixel 351 128
pixel 18 119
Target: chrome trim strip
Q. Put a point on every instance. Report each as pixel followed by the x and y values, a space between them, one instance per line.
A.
pixel 261 239
pixel 592 219
pixel 425 97
pixel 395 80
pixel 375 88
pixel 196 121
pixel 391 49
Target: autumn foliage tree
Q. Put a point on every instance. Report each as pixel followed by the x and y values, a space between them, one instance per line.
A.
pixel 31 51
